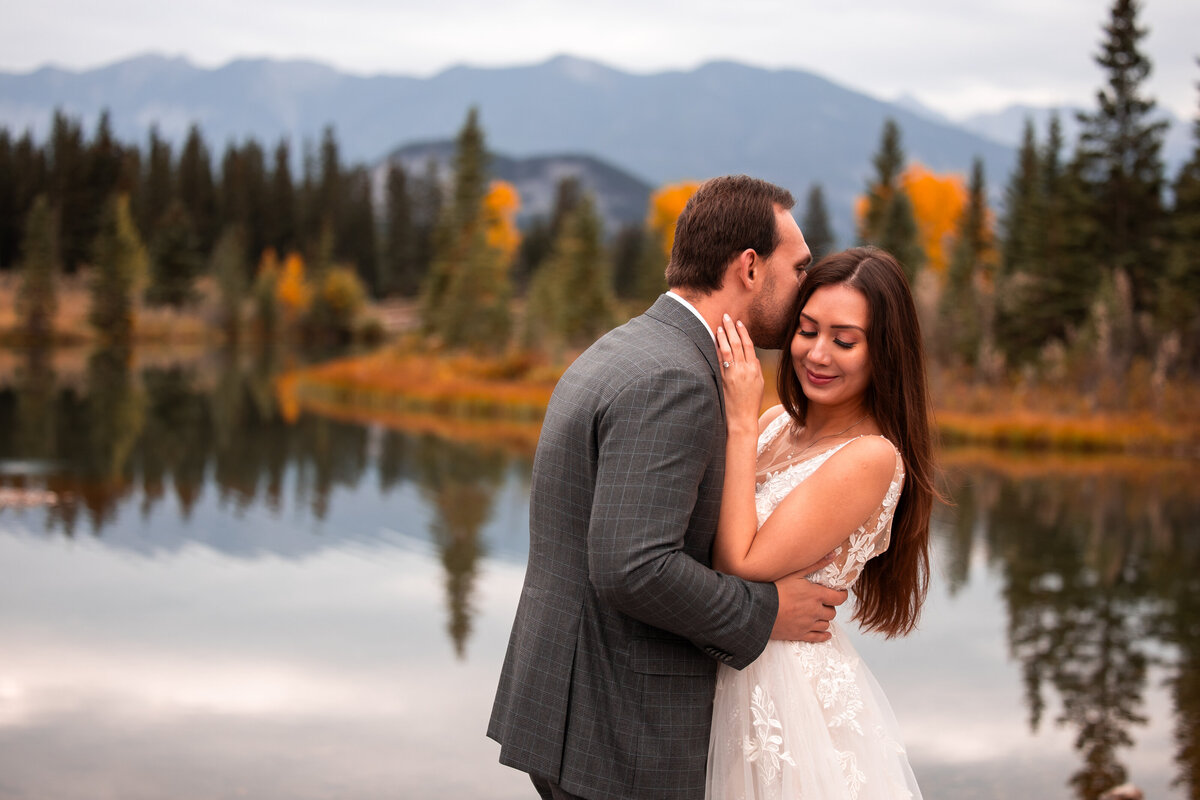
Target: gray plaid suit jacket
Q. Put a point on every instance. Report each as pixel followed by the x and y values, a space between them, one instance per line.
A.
pixel 608 681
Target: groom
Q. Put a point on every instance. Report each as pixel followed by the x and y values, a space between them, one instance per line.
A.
pixel 607 686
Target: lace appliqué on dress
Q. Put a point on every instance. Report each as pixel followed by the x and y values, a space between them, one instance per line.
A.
pixel 871 538
pixel 765 747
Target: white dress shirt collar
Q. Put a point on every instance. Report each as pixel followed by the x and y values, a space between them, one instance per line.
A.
pixel 692 308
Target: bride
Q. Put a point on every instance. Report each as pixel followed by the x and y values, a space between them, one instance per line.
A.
pixel 844 464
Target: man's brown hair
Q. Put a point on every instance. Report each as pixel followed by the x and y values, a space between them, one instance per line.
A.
pixel 724 217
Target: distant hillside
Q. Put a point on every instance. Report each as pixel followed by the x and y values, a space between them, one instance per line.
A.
pixel 788 126
pixel 620 197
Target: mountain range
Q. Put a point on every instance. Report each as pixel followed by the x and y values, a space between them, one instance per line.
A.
pixel 789 126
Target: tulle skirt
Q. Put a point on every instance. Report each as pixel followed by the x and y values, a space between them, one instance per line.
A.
pixel 805 721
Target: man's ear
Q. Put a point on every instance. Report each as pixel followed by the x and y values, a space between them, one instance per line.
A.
pixel 746 268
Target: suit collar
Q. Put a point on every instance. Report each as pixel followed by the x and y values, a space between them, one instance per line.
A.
pixel 670 311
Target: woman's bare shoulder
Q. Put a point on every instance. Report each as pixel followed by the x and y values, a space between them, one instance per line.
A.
pixel 870 455
pixel 769 416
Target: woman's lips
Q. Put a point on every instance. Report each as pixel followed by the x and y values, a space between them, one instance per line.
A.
pixel 819 380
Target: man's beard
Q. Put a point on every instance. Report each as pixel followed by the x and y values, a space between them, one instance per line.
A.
pixel 770 320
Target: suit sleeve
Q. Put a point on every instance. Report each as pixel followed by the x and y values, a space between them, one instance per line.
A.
pixel 655 443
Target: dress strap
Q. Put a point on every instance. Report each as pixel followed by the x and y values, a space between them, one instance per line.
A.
pixel 772 431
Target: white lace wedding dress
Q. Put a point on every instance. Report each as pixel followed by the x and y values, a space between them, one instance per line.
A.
pixel 809 720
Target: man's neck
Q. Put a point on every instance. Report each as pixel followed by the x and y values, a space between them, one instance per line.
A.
pixel 712 307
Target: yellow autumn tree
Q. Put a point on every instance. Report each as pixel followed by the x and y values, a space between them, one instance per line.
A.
pixel 665 205
pixel 500 207
pixel 938 201
pixel 292 290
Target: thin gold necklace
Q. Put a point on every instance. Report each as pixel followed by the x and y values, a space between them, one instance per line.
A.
pixel 793 454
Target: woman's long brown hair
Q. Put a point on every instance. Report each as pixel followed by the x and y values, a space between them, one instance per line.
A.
pixel 892 588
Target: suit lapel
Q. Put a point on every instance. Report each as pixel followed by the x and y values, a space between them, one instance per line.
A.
pixel 671 312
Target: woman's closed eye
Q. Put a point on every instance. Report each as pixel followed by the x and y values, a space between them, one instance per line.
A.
pixel 842 343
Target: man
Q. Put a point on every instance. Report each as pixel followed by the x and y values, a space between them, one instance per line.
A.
pixel 607 686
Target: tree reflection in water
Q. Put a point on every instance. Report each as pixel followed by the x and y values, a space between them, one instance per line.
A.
pixel 1100 582
pixel 173 429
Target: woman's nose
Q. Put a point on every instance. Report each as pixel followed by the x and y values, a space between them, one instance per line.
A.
pixel 820 351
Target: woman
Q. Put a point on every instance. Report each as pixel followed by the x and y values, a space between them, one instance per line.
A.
pixel 844 464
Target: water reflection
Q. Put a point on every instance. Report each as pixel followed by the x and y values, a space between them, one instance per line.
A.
pixel 1098 578
pixel 248 520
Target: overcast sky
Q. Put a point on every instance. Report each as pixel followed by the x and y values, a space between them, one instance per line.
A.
pixel 957 57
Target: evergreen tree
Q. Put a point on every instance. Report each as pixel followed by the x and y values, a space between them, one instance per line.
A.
pixel 571 298
pixel 1119 160
pixel 817 231
pixel 1024 206
pixel 120 268
pixel 967 302
pixel 540 235
pixel 11 212
pixel 888 220
pixel 244 194
pixel 157 189
pixel 398 264
pixel 228 268
pixel 1022 258
pixel 197 189
pixel 626 257
pixel 426 194
pixel 175 258
pixel 1179 295
pixel 1068 272
pixel 69 191
pixel 40 267
pixel 465 296
pixel 280 225
pixel 29 177
pixel 105 160
pixel 358 243
pixel 1046 280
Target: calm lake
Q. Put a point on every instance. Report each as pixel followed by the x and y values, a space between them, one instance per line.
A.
pixel 234 598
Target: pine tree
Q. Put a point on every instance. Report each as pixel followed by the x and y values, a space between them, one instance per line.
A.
pixel 28 177
pixel 888 220
pixel 120 268
pixel 1179 294
pixel 1119 160
pixel 11 212
pixel 197 189
pixel 571 297
pixel 540 235
pixel 280 226
pixel 175 258
pixel 358 242
pixel 40 267
pixel 1022 258
pixel 465 296
pixel 426 194
pixel 69 192
pixel 104 169
pixel 228 267
pixel 967 303
pixel 158 187
pixel 817 231
pixel 625 257
pixel 398 263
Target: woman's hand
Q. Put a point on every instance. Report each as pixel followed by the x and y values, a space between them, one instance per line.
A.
pixel 742 377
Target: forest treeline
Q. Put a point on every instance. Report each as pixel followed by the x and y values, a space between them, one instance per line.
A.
pixel 1089 270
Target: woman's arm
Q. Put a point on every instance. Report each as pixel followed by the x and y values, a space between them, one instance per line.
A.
pixel 816 516
pixel 743 382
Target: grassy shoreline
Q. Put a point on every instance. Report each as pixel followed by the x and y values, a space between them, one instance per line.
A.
pixel 403 385
pixel 408 384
